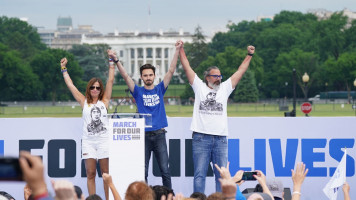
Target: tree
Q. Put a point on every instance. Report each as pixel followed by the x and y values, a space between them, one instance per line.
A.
pixel 93 60
pixel 19 35
pixel 47 66
pixel 18 82
pixel 301 61
pixel 246 90
pixel 342 72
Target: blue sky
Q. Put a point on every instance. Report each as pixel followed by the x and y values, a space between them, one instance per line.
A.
pixel 129 15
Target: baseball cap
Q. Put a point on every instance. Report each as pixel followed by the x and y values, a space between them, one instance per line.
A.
pixel 264 195
pixel 275 186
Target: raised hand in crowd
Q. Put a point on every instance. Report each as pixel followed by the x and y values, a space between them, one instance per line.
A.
pixel 27 192
pixel 108 181
pixel 261 178
pixel 64 190
pixel 298 177
pixel 32 169
pixel 346 191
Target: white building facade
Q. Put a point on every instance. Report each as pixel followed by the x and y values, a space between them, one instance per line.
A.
pixel 137 49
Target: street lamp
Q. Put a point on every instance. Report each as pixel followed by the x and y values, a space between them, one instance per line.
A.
pixel 305 79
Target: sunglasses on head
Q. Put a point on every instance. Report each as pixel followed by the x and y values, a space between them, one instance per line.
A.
pixel 96 87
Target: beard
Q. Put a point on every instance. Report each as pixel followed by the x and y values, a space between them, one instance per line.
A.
pixel 215 86
pixel 148 82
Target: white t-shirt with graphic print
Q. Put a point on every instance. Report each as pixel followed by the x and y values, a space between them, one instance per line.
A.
pixel 210 108
pixel 95 121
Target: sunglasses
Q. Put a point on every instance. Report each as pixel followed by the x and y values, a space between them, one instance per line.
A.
pixel 216 76
pixel 92 88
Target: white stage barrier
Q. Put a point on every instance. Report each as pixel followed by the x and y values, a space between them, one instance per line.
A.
pixel 273 145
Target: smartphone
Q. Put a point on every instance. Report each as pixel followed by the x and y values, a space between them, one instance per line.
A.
pixel 248 176
pixel 10 169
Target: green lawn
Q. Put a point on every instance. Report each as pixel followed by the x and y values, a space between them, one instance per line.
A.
pixel 234 110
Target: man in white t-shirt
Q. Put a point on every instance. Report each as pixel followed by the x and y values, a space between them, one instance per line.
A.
pixel 209 124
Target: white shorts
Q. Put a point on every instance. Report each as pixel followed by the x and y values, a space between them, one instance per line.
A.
pixel 97 149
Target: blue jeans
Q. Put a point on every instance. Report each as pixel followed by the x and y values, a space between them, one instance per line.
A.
pixel 156 143
pixel 206 149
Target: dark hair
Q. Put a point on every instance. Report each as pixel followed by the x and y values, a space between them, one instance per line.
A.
pixel 147 66
pixel 207 72
pixel 258 188
pixel 93 197
pixel 7 195
pixel 198 196
pixel 88 96
pixel 78 191
pixel 161 190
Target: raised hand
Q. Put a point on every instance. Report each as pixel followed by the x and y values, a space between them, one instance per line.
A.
pixel 64 62
pixel 251 49
pixel 64 190
pixel 112 54
pixel 179 44
pixel 299 174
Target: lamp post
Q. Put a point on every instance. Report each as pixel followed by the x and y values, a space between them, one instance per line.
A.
pixel 285 90
pixel 305 79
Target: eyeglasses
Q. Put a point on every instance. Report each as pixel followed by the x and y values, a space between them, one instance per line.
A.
pixel 216 76
pixel 96 87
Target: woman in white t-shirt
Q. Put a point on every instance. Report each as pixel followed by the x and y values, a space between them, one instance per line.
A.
pixel 95 143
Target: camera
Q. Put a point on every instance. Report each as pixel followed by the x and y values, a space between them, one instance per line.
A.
pixel 248 176
pixel 10 169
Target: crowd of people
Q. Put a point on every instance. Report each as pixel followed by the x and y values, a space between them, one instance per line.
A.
pixel 36 188
pixel 209 138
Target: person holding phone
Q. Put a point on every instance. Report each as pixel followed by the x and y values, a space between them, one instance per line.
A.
pixel 95 103
pixel 209 123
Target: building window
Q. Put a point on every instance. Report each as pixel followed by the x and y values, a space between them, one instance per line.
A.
pixel 132 53
pixel 132 67
pixel 121 53
pixel 166 53
pixel 158 52
pixel 149 52
pixel 139 53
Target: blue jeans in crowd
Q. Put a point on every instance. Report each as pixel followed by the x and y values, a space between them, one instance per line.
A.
pixel 208 148
pixel 155 141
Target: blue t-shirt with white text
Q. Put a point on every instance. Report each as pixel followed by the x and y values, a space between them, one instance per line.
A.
pixel 152 102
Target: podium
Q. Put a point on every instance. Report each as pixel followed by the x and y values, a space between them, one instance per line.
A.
pixel 127 149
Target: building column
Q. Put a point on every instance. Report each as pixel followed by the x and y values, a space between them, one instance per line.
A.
pixel 144 55
pixel 154 56
pixel 134 73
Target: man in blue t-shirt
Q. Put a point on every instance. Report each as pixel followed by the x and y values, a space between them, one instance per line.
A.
pixel 149 99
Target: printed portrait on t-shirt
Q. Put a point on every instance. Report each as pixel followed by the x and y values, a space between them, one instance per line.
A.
pixel 210 103
pixel 96 126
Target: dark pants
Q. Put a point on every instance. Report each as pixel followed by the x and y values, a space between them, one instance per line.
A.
pixel 155 141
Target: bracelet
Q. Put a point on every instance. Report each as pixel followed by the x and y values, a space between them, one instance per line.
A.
pixel 63 69
pixel 296 192
pixel 250 54
pixel 40 196
pixel 116 61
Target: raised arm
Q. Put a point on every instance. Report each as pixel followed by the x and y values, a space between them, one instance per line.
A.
pixel 298 177
pixel 75 92
pixel 108 180
pixel 167 78
pixel 236 77
pixel 109 84
pixel 188 70
pixel 129 82
pixel 261 178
